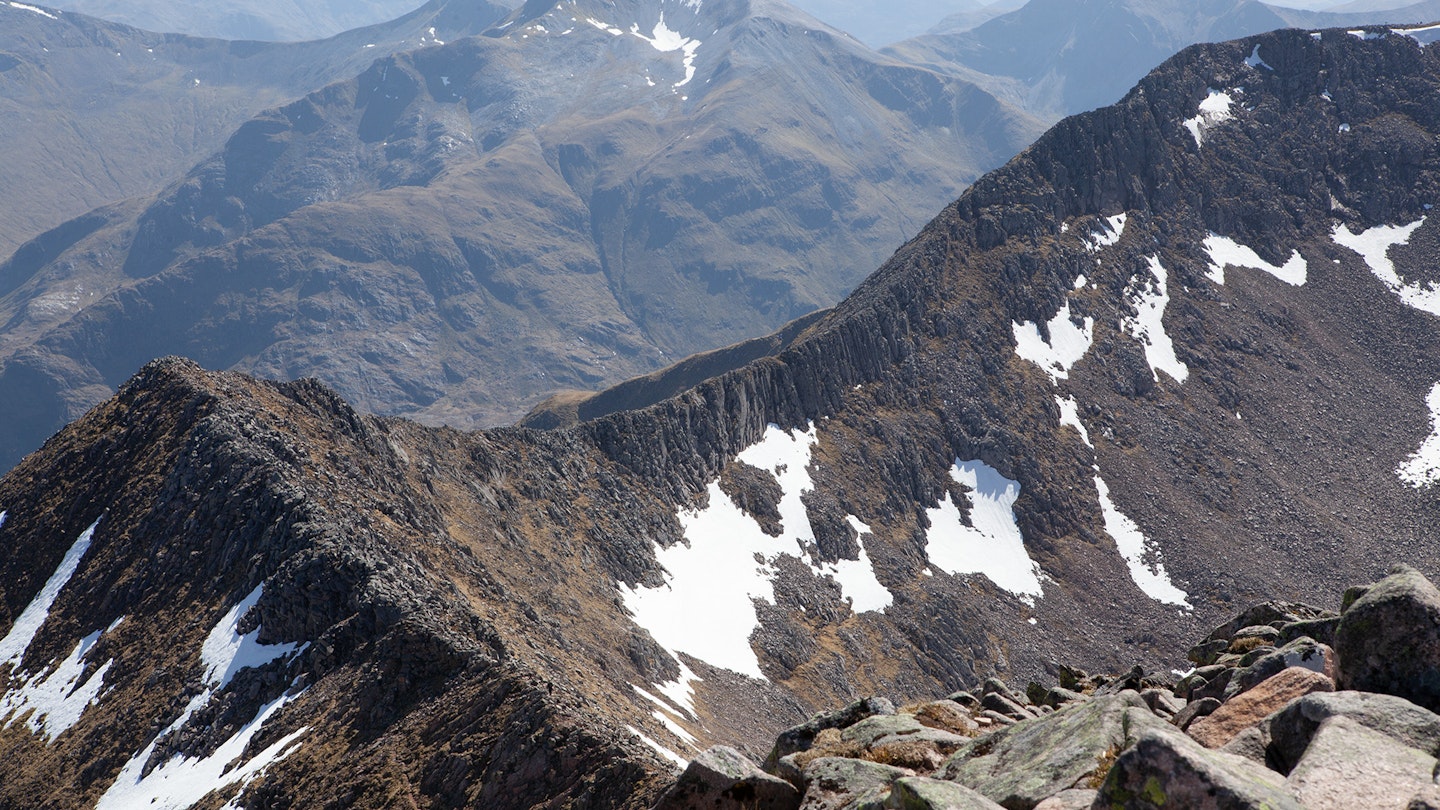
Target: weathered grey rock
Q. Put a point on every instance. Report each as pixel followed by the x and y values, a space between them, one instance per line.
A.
pixel 1073 799
pixel 947 715
pixel 1162 702
pixel 1305 652
pixel 724 779
pixel 1035 759
pixel 1427 799
pixel 1291 729
pixel 1168 770
pixel 920 793
pixel 1322 630
pixel 1205 653
pixel 1000 704
pixel 1388 641
pixel 867 731
pixel 1268 613
pixel 1194 710
pixel 801 737
pixel 997 718
pixel 995 686
pixel 965 699
pixel 1215 687
pixel 1059 696
pixel 1261 633
pixel 1197 678
pixel 1348 765
pixel 840 783
pixel 1134 680
pixel 1249 709
pixel 1251 744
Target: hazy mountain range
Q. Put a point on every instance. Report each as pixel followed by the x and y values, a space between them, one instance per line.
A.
pixel 1176 357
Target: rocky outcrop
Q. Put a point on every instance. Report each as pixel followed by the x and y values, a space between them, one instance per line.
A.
pixel 1289 741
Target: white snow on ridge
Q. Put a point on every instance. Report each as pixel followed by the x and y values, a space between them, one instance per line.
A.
pixel 1225 251
pixel 679 761
pixel 42 12
pixel 1422 469
pixel 991 544
pixel 1133 546
pixel 609 29
pixel 182 781
pixel 1373 245
pixel 1148 325
pixel 226 652
pixel 857 577
pixel 1213 111
pixel 1111 229
pixel 705 609
pixel 23 631
pixel 1424 34
pixel 1068 343
pixel 1254 60
pixel 55 697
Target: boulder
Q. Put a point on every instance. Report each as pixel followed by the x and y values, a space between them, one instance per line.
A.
pixel 1194 710
pixel 1215 687
pixel 1073 799
pixel 1162 702
pixel 724 779
pixel 840 783
pixel 1291 729
pixel 1168 770
pixel 1248 709
pixel 1059 696
pixel 1021 765
pixel 1427 799
pixel 867 731
pixel 1388 641
pixel 1348 765
pixel 1303 652
pixel 920 793
pixel 1000 704
pixel 1322 630
pixel 1252 744
pixel 801 737
pixel 947 715
pixel 1268 613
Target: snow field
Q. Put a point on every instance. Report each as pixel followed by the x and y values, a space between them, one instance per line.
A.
pixel 1214 110
pixel 991 544
pixel 1224 251
pixel 1067 344
pixel 1150 299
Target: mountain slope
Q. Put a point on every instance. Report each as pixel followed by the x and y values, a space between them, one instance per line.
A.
pixel 1177 357
pixel 464 229
pixel 274 20
pixel 1055 58
pixel 93 112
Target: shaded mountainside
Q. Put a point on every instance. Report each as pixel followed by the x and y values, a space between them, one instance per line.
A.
pixel 585 194
pixel 93 112
pixel 1119 390
pixel 1054 58
pixel 275 20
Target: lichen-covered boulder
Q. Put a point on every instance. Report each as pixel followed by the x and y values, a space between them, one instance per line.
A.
pixel 920 793
pixel 1289 732
pixel 839 783
pixel 1167 770
pixel 724 779
pixel 1388 640
pixel 1348 765
pixel 1021 765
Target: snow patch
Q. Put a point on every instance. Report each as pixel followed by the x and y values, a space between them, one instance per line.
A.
pixel 667 40
pixel 182 781
pixel 1150 299
pixel 1214 110
pixel 990 543
pixel 1225 251
pixel 705 609
pixel 22 632
pixel 1136 548
pixel 1422 469
pixel 857 577
pixel 1067 344
pixel 226 652
pixel 56 697
pixel 1373 245
pixel 1070 415
pixel 1111 228
pixel 680 762
pixel 1425 34
pixel 42 12
pixel 609 29
pixel 1254 60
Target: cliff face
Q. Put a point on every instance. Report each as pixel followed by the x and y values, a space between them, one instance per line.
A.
pixel 1173 359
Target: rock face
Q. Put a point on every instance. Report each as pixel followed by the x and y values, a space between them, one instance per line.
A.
pixel 521 617
pixel 1389 639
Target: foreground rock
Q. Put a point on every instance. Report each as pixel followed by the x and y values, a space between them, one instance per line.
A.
pixel 1168 770
pixel 1389 639
pixel 724 779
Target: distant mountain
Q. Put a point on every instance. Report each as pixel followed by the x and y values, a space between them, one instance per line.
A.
pixel 1177 357
pixel 1058 57
pixel 93 112
pixel 965 16
pixel 584 195
pixel 270 20
pixel 878 24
